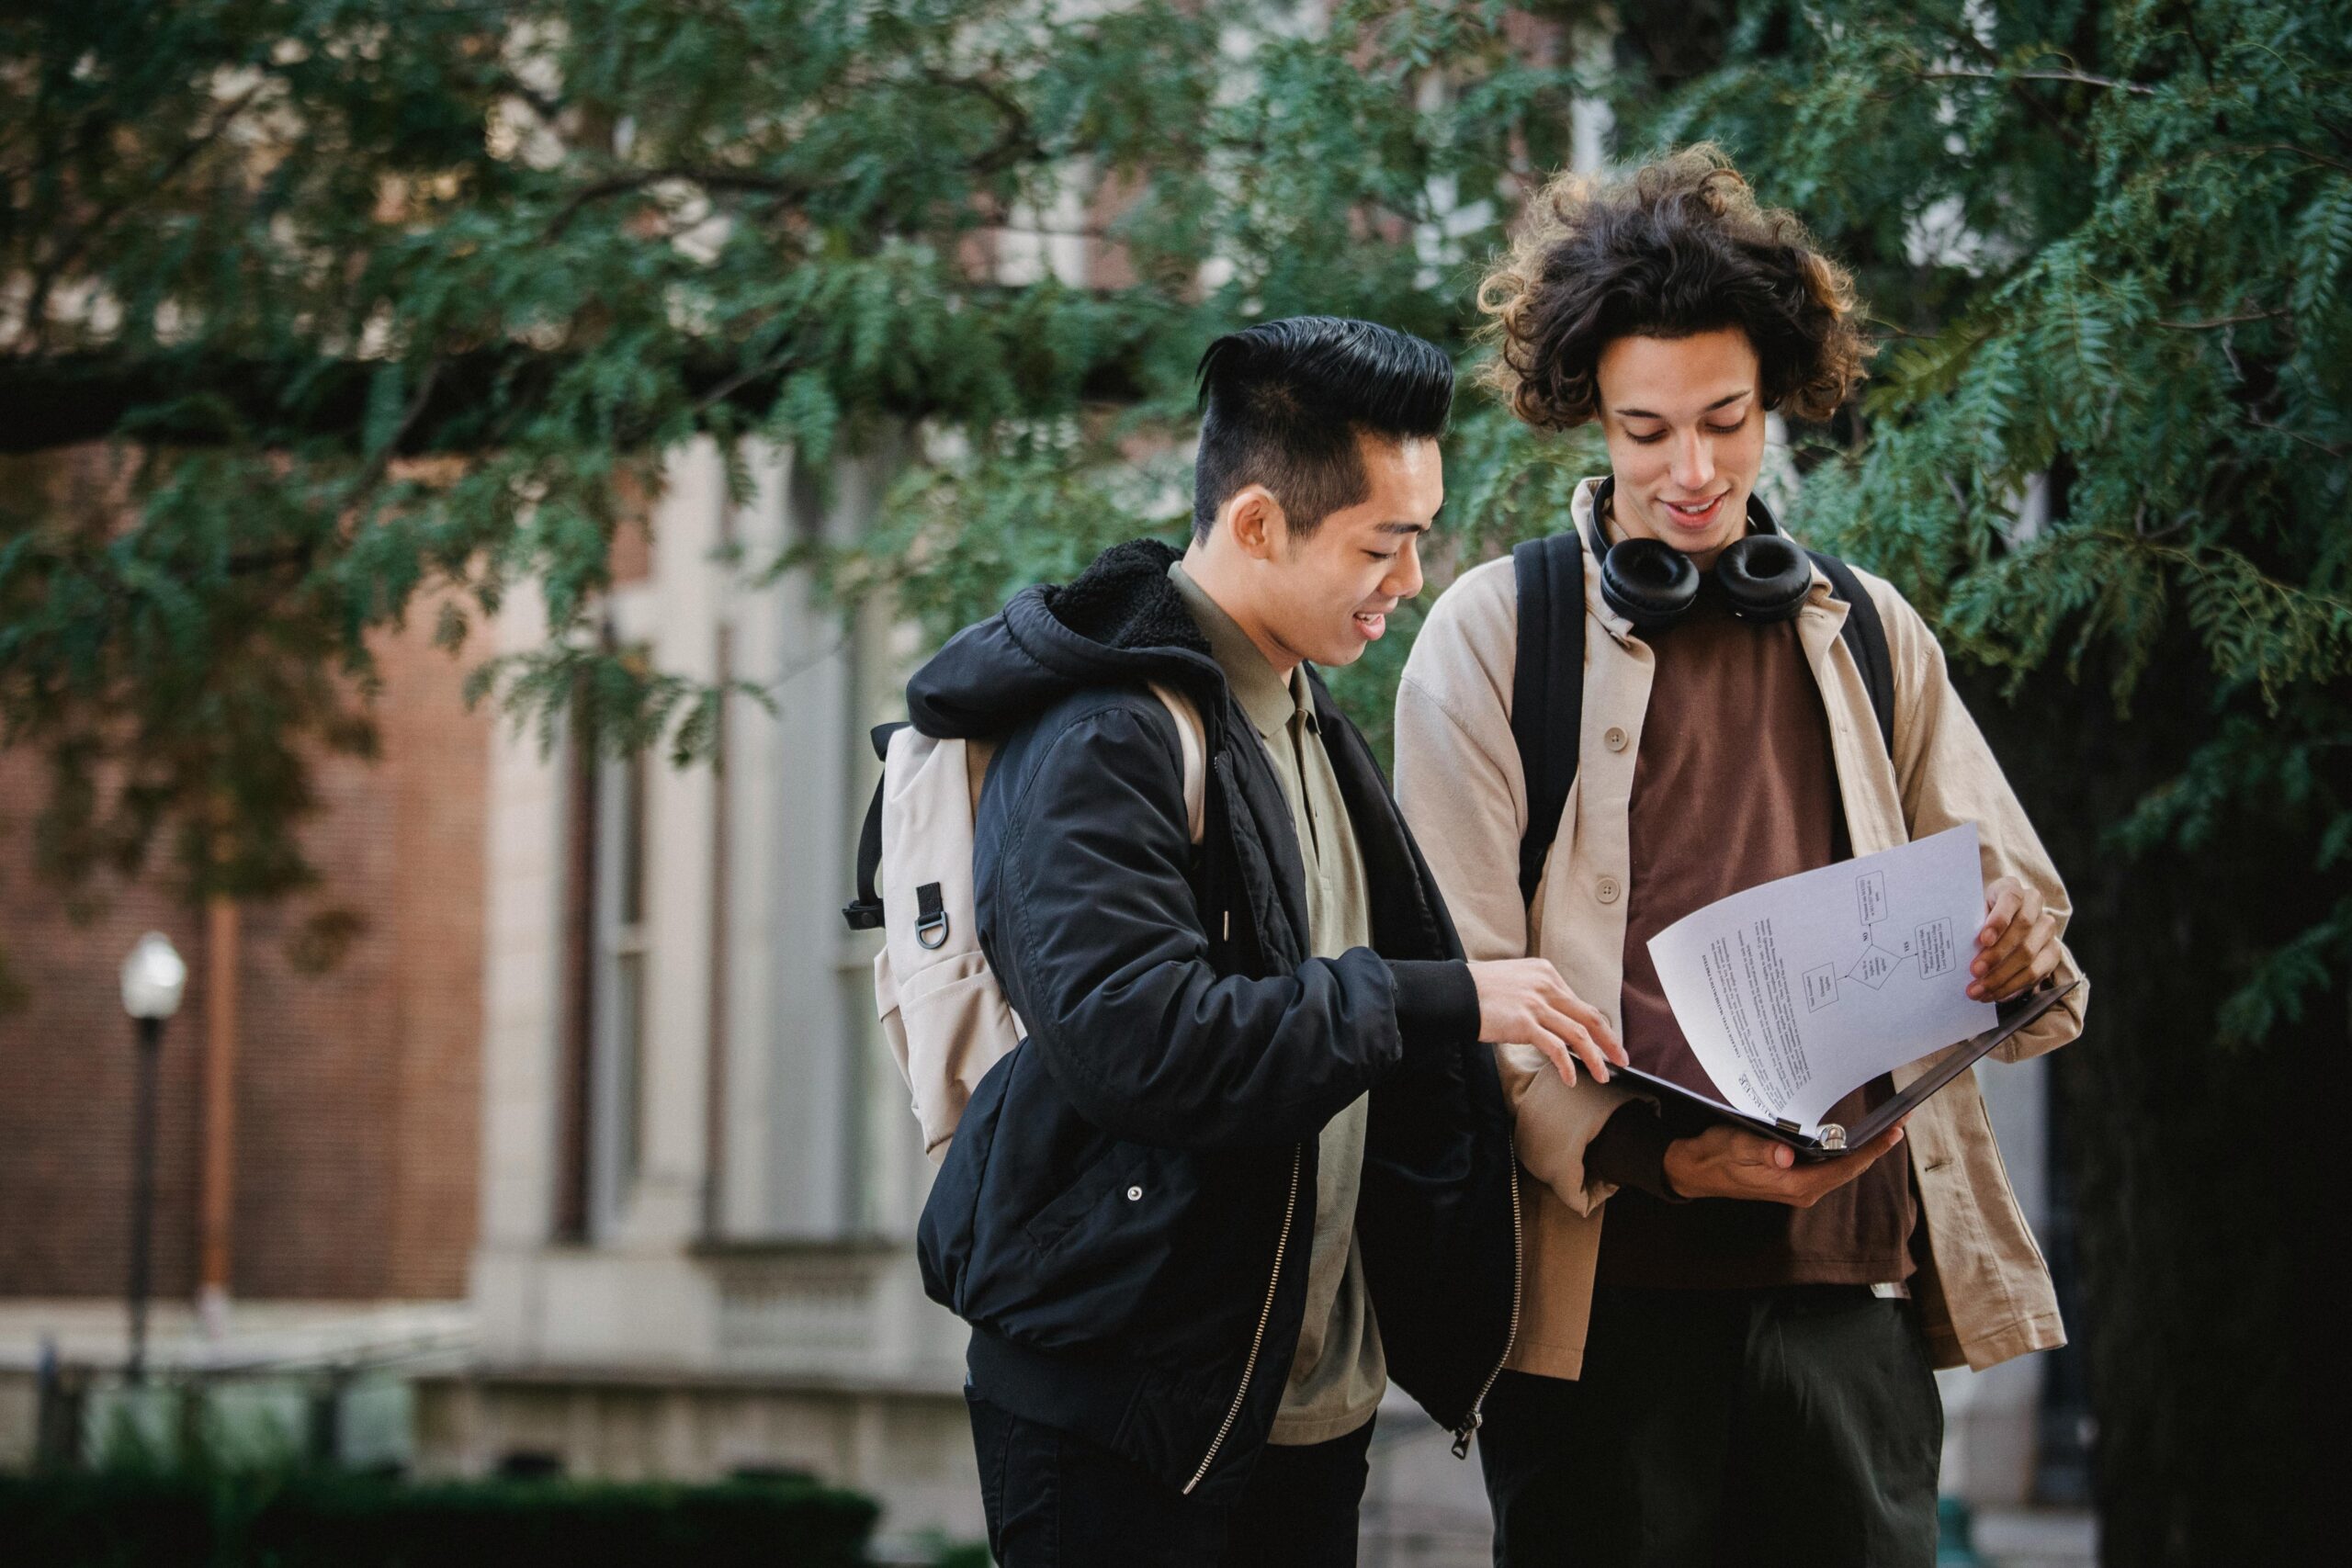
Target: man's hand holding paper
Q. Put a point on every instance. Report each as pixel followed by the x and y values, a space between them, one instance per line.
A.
pixel 1795 993
pixel 2018 943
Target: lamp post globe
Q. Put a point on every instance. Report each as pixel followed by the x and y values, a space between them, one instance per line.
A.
pixel 154 979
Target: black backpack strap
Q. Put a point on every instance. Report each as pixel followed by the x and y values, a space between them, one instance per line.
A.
pixel 864 912
pixel 1547 689
pixel 1865 635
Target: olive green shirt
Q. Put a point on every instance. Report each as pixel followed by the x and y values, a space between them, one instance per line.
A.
pixel 1339 1372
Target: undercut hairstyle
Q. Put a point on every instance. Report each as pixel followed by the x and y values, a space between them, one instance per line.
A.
pixel 1283 404
pixel 1676 248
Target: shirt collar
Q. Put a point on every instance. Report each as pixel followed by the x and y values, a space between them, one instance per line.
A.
pixel 1265 696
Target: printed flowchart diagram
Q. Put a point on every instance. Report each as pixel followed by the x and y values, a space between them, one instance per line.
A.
pixel 1795 992
pixel 1932 946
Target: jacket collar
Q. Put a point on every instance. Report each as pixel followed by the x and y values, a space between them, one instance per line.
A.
pixel 1120 623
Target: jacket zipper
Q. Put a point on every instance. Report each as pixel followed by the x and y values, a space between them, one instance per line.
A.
pixel 1477 1417
pixel 1265 1314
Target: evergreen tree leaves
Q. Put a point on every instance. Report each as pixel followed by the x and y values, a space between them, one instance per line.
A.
pixel 399 301
pixel 381 303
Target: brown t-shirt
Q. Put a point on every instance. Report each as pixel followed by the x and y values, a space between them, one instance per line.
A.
pixel 1734 784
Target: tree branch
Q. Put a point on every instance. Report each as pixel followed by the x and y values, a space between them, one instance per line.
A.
pixel 1019 140
pixel 2048 116
pixel 2226 320
pixel 76 240
pixel 2236 149
pixel 2293 150
pixel 409 416
pixel 637 179
pixel 2312 442
pixel 1015 143
pixel 186 398
pixel 2078 77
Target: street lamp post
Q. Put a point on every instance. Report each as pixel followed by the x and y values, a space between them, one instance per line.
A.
pixel 152 978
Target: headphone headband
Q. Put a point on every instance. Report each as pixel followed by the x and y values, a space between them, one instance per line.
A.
pixel 1763 576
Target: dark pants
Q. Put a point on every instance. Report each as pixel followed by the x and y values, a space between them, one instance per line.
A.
pixel 1057 1501
pixel 1799 1425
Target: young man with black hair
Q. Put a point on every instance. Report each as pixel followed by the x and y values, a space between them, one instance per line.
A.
pixel 1251 1160
pixel 1726 1354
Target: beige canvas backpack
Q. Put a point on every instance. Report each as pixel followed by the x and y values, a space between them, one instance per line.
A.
pixel 945 1018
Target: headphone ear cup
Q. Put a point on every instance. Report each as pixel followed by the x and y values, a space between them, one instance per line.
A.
pixel 1648 581
pixel 1765 577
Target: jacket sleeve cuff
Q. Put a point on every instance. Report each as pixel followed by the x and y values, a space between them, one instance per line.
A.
pixel 1630 1151
pixel 1437 1003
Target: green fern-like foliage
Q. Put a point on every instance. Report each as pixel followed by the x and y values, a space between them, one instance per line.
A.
pixel 376 305
pixel 2165 352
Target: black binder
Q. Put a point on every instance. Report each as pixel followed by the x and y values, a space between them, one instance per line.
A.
pixel 1834 1140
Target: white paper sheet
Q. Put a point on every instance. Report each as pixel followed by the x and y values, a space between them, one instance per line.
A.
pixel 1796 992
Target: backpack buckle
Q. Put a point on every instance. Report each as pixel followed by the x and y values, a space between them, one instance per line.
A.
pixel 930 918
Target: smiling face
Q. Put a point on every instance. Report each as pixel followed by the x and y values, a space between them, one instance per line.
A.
pixel 1326 597
pixel 1685 424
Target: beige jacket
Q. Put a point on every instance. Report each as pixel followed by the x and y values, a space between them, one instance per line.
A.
pixel 1986 1295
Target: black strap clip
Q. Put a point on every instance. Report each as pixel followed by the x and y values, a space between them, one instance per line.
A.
pixel 930 918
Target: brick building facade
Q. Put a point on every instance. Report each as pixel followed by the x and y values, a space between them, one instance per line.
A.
pixel 357 1090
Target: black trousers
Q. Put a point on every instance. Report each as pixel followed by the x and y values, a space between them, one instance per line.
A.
pixel 1799 1425
pixel 1057 1501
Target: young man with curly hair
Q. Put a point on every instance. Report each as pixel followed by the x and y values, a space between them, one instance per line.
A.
pixel 1724 1353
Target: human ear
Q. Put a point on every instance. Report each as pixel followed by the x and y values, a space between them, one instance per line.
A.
pixel 1257 522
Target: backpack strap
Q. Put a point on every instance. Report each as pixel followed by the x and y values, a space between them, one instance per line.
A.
pixel 1193 746
pixel 1547 690
pixel 864 912
pixel 1865 637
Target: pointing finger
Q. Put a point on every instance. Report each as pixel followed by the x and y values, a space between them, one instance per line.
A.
pixel 1556 1050
pixel 1580 1040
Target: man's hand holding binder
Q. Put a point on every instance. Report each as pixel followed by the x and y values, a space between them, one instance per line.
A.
pixel 2016 949
pixel 1725 1161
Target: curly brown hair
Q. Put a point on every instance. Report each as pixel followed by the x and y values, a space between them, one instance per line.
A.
pixel 1678 247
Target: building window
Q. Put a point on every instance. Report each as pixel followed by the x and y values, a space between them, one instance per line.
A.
pixel 622 951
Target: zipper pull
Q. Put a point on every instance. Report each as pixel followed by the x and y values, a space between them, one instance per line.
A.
pixel 1470 1423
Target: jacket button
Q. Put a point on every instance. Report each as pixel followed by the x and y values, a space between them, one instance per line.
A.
pixel 1133 1193
pixel 1615 740
pixel 1608 890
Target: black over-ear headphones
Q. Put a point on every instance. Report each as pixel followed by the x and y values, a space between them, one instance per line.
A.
pixel 1764 577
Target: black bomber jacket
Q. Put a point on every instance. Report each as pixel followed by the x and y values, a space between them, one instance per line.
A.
pixel 1123 1214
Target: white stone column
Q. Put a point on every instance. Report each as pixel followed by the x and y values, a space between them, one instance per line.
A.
pixel 758 747
pixel 686 598
pixel 522 963
pixel 523 877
